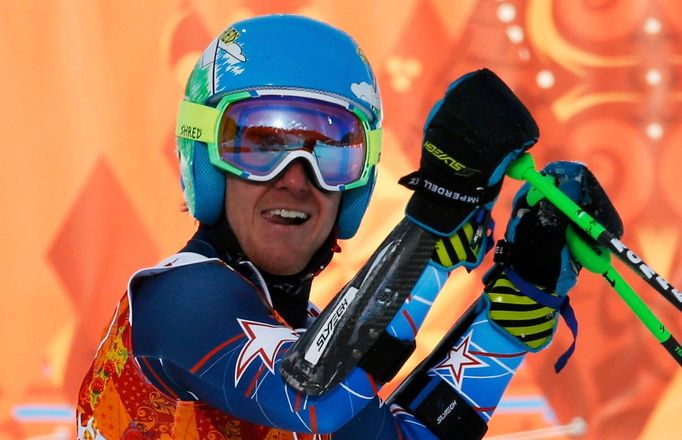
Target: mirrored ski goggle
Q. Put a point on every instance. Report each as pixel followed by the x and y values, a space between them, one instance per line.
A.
pixel 255 136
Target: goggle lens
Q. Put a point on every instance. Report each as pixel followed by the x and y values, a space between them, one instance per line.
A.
pixel 258 135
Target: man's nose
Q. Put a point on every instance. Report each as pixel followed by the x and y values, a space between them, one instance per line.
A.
pixel 295 178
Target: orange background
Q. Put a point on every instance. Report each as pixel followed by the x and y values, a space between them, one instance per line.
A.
pixel 90 185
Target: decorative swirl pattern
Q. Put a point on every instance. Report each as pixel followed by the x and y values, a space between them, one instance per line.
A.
pixel 621 159
pixel 669 167
pixel 549 40
pixel 597 24
pixel 147 418
pixel 160 403
pixel 215 435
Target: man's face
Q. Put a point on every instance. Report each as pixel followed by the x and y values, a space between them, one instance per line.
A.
pixel 280 224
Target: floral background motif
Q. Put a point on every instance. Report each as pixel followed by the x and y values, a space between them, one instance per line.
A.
pixel 91 186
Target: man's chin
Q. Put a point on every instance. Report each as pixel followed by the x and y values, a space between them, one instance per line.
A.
pixel 281 263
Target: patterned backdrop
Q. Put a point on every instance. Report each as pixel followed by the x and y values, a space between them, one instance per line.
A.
pixel 91 187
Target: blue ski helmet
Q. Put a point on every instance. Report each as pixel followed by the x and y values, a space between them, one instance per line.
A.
pixel 288 53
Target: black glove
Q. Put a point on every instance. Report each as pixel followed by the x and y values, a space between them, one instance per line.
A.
pixel 470 137
pixel 536 235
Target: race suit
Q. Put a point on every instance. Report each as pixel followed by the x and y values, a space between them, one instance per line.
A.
pixel 202 361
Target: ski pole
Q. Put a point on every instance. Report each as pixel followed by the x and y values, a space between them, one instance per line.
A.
pixel 597 259
pixel 523 168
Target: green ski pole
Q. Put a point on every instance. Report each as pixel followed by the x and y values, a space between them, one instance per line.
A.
pixel 523 168
pixel 597 259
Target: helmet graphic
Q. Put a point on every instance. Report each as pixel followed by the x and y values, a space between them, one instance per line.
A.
pixel 291 64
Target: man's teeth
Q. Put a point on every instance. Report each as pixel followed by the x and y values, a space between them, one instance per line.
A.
pixel 286 213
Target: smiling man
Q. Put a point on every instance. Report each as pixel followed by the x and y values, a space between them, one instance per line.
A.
pixel 278 139
pixel 282 223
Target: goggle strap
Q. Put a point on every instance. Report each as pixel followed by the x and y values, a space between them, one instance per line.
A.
pixel 197 122
pixel 374 145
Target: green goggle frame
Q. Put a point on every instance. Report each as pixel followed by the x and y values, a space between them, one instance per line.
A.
pixel 202 123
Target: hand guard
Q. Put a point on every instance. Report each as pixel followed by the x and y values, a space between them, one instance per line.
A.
pixel 470 137
pixel 536 233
